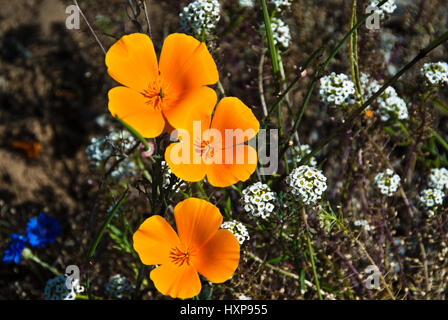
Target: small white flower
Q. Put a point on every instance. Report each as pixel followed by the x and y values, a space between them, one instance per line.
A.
pixel 431 199
pixel 56 288
pixel 307 184
pixel 387 182
pixel 436 73
pixel 438 178
pixel 280 32
pixel 238 229
pixel 117 287
pixel 336 89
pixel 200 17
pixel 258 200
pixel 388 7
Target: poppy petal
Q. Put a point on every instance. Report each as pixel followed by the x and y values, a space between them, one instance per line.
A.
pixel 178 282
pixel 186 62
pixel 130 106
pixel 240 168
pixel 154 239
pixel 219 257
pixel 185 168
pixel 194 105
pixel 232 114
pixel 197 222
pixel 132 61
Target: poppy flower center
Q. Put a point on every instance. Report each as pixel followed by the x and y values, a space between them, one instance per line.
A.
pixel 154 95
pixel 178 257
pixel 205 148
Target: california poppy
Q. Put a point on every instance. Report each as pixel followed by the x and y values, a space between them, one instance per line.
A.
pixel 224 161
pixel 198 246
pixel 172 92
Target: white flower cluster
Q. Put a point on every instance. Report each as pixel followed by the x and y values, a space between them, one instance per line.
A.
pixel 390 105
pixel 280 32
pixel 102 149
pixel 301 151
pixel 336 89
pixel 436 73
pixel 258 200
pixel 238 229
pixel 307 184
pixel 438 178
pixel 243 297
pixel 362 223
pixel 387 182
pixel 279 4
pixel 118 287
pixel 389 7
pixel 56 288
pixel 167 175
pixel 200 17
pixel 431 199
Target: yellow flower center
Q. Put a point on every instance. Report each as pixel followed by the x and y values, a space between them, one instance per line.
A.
pixel 154 95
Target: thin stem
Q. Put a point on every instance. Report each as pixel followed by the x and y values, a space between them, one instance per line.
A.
pixel 88 25
pixel 271 45
pixel 134 133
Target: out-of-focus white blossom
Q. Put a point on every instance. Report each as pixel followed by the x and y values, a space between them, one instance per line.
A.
pixel 336 89
pixel 307 184
pixel 280 32
pixel 117 287
pixel 436 73
pixel 389 104
pixel 200 17
pixel 362 223
pixel 102 149
pixel 280 4
pixel 299 152
pixel 431 199
pixel 438 178
pixel 169 179
pixel 56 288
pixel 258 200
pixel 238 229
pixel 246 3
pixel 387 182
pixel 387 8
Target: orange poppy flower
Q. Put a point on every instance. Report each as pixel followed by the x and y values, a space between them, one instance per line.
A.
pixel 217 150
pixel 198 246
pixel 173 90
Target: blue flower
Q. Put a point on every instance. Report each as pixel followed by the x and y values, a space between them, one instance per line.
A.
pixel 42 230
pixel 14 252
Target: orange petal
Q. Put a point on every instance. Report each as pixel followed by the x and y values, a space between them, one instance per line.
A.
pixel 154 239
pixel 185 62
pixel 196 104
pixel 179 158
pixel 233 115
pixel 132 61
pixel 130 106
pixel 219 257
pixel 197 222
pixel 178 282
pixel 242 166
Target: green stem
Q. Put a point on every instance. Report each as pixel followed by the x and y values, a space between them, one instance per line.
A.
pixel 271 46
pixel 99 235
pixel 201 189
pixel 311 252
pixel 28 254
